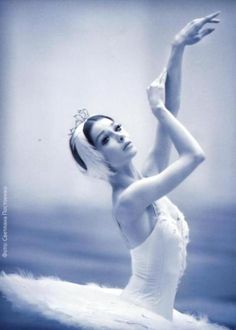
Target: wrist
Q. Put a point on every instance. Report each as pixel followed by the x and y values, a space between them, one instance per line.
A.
pixel 178 42
pixel 159 111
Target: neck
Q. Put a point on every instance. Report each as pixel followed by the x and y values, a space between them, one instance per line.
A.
pixel 126 174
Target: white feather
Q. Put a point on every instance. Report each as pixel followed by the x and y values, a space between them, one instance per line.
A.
pixel 89 306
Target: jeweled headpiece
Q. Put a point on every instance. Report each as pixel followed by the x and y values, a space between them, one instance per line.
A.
pixel 80 117
pixel 88 159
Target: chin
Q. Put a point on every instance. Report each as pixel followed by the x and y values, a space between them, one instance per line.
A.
pixel 133 152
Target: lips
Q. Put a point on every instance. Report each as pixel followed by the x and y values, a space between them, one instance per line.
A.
pixel 126 145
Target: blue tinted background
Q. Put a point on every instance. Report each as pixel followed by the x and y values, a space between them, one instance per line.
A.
pixel 58 56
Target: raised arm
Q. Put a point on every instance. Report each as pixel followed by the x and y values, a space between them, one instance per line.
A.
pixel 142 193
pixel 193 32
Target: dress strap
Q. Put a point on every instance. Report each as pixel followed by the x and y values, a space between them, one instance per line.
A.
pixel 155 209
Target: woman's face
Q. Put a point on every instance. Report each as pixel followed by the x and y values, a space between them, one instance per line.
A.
pixel 113 142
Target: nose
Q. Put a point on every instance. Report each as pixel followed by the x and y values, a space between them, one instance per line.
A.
pixel 120 138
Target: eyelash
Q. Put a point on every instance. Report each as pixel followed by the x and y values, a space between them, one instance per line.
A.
pixel 105 140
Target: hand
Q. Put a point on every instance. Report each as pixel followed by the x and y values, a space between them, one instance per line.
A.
pixel 156 93
pixel 194 31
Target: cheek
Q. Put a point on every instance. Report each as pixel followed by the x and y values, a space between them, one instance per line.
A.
pixel 113 153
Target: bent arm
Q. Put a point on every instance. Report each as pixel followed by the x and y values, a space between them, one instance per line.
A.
pixel 192 33
pixel 142 193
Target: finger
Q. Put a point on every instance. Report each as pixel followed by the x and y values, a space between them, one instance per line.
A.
pixel 156 82
pixel 197 38
pixel 161 79
pixel 215 21
pixel 208 18
pixel 205 32
pixel 213 15
pixel 161 82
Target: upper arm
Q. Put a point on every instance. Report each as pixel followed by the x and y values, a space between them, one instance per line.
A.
pixel 143 192
pixel 158 157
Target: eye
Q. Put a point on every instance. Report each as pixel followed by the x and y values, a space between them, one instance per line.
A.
pixel 105 140
pixel 118 127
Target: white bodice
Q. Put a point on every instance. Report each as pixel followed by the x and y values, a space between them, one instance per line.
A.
pixel 159 262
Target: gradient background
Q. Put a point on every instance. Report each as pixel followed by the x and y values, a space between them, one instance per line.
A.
pixel 59 56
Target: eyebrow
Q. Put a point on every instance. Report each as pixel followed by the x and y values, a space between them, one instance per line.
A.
pixel 102 132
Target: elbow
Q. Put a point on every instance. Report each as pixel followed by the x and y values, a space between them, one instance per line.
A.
pixel 199 157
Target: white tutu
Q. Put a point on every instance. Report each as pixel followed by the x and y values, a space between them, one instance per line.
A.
pixel 89 306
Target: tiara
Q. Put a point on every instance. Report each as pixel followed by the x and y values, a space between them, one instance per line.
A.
pixel 80 117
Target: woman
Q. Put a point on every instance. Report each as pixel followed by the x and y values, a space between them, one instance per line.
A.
pixel 154 230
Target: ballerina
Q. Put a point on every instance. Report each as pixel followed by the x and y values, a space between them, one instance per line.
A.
pixel 155 231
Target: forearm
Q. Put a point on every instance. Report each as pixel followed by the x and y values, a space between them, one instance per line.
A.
pixel 162 146
pixel 182 139
pixel 173 79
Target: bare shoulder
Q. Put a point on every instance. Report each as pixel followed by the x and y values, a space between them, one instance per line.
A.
pixel 131 202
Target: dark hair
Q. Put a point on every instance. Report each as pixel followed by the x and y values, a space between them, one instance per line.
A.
pixel 88 125
pixel 87 133
pixel 76 155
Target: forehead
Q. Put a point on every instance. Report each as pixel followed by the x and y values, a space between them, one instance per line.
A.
pixel 99 126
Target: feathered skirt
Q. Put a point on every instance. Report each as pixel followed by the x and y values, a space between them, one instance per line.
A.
pixel 89 306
